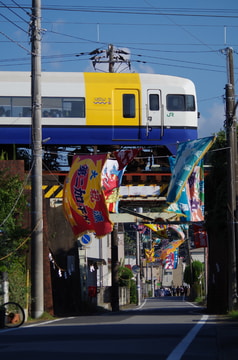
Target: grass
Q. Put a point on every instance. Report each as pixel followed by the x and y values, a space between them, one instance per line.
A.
pixel 233 314
pixel 44 317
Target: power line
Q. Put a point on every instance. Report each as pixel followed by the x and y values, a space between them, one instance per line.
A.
pixel 14 12
pixel 144 11
pixel 21 7
pixel 13 23
pixel 14 41
pixel 83 23
pixel 186 12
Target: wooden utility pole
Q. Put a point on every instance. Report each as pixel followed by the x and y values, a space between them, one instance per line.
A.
pixel 231 130
pixel 37 283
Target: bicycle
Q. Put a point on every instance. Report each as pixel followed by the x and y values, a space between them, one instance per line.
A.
pixel 12 315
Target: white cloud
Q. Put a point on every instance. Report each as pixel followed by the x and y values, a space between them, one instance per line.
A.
pixel 212 122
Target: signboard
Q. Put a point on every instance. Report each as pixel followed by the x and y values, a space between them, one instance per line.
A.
pixel 85 240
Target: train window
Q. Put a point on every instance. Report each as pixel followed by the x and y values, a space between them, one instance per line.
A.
pixel 190 103
pixel 63 107
pixel 21 106
pixel 51 107
pixel 154 102
pixel 129 106
pixel 5 106
pixel 177 102
pixel 74 107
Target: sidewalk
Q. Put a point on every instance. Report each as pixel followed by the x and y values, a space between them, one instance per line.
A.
pixel 227 337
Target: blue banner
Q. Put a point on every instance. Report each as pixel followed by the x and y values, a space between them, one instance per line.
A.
pixel 188 155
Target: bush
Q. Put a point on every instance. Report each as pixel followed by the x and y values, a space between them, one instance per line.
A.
pixel 133 293
pixel 125 275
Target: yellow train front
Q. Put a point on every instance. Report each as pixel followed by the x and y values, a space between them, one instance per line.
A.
pixel 100 109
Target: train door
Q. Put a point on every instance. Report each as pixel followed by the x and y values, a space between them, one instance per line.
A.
pixel 154 116
pixel 126 115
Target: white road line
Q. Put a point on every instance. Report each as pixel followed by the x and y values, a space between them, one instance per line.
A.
pixel 46 322
pixel 180 349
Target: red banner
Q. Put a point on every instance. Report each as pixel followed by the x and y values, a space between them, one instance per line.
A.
pixel 124 157
pixel 200 236
pixel 83 198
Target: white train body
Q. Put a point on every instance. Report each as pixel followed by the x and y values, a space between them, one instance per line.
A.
pixel 100 108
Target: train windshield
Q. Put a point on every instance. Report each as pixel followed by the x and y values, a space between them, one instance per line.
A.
pixel 177 102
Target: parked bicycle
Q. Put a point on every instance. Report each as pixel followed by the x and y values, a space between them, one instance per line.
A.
pixel 12 315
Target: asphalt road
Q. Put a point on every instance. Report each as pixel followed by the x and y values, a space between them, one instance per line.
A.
pixel 163 328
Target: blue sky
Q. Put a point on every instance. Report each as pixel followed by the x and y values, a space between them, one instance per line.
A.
pixel 160 37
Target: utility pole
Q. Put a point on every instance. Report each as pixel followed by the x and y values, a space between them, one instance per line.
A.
pixel 115 265
pixel 231 131
pixel 111 58
pixel 138 263
pixel 37 283
pixel 138 260
pixel 114 255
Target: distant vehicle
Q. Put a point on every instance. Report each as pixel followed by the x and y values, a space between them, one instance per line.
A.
pixel 167 292
pixel 100 108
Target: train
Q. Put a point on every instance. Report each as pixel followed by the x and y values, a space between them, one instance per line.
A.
pixel 126 109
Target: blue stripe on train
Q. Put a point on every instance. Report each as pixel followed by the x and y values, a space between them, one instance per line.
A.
pixel 99 136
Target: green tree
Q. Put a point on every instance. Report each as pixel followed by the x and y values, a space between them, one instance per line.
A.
pixel 125 276
pixel 194 275
pixel 195 278
pixel 130 244
pixel 13 235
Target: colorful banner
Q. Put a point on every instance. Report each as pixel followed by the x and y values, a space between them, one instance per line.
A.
pixel 111 181
pixel 160 230
pixel 196 193
pixel 190 204
pixel 178 230
pixel 181 207
pixel 83 198
pixel 200 236
pixel 124 157
pixel 142 229
pixel 188 155
pixel 171 261
pixel 170 248
pixel 150 255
